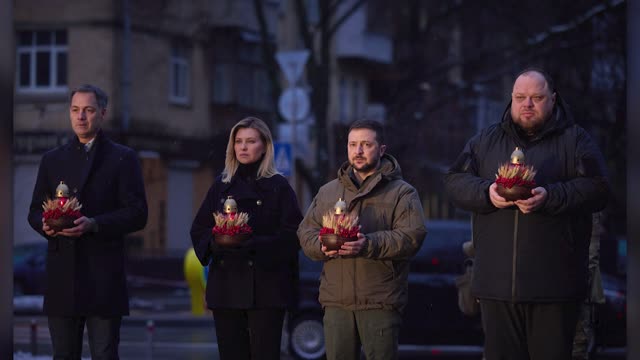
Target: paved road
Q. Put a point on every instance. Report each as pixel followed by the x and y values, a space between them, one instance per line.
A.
pixel 184 337
pixel 177 335
pixel 173 336
pixel 194 339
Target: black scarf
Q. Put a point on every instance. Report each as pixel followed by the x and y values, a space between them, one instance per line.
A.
pixel 248 172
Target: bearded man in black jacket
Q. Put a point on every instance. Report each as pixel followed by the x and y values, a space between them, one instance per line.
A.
pixel 531 255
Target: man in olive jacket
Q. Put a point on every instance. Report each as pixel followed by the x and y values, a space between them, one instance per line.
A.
pixel 530 270
pixel 363 286
pixel 86 281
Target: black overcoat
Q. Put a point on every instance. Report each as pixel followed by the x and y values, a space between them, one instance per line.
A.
pixel 86 275
pixel 540 256
pixel 264 272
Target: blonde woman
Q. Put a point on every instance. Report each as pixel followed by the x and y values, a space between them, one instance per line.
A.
pixel 250 286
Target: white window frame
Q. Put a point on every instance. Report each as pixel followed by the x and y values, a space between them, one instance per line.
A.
pixel 180 69
pixel 54 50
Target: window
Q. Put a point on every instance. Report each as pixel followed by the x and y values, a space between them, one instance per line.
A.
pixel 342 96
pixel 356 92
pixel 42 61
pixel 243 84
pixel 352 97
pixel 249 53
pixel 242 79
pixel 179 75
pixel 262 89
pixel 222 83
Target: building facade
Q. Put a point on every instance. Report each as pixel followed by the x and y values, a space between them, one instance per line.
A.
pixel 178 75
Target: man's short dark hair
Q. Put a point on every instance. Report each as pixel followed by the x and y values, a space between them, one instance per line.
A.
pixel 373 125
pixel 550 83
pixel 101 97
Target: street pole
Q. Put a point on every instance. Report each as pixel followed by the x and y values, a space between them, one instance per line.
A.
pixel 292 64
pixel 294 140
pixel 126 66
pixel 34 337
pixel 633 176
pixel 7 58
pixel 151 327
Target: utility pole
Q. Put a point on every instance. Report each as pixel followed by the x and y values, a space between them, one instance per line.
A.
pixel 126 66
pixel 633 177
pixel 294 102
pixel 7 71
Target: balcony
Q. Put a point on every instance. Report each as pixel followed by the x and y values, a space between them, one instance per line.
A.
pixel 354 41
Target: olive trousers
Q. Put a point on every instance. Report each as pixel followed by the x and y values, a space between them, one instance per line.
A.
pixel 376 331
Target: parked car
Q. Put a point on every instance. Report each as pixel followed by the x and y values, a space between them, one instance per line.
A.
pixel 611 330
pixel 144 273
pixel 155 283
pixel 432 322
pixel 29 262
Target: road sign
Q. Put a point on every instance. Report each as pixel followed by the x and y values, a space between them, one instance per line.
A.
pixel 283 159
pixel 294 104
pixel 292 63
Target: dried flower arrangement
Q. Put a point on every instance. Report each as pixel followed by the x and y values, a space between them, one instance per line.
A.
pixel 231 224
pixel 231 227
pixel 338 226
pixel 515 179
pixel 510 175
pixel 343 225
pixel 59 213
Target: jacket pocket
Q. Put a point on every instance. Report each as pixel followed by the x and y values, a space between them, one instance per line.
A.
pixel 376 215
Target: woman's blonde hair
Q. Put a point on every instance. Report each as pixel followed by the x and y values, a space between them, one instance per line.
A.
pixel 267 164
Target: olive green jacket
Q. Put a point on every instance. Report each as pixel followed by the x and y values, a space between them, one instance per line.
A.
pixel 391 216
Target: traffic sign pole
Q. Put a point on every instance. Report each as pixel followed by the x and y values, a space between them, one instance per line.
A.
pixel 292 65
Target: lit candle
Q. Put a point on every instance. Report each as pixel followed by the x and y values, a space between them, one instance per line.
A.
pixel 340 207
pixel 230 207
pixel 517 157
pixel 62 193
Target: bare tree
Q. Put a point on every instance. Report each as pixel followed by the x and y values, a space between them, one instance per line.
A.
pixel 317 38
pixel 455 57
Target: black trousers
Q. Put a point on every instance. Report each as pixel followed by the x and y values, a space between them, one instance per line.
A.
pixel 528 331
pixel 252 334
pixel 67 332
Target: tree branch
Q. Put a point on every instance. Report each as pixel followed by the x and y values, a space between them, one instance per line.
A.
pixel 268 55
pixel 303 26
pixel 573 23
pixel 345 16
pixel 331 8
pixel 532 42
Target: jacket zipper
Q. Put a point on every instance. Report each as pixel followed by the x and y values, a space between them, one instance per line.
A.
pixel 350 207
pixel 514 259
pixel 355 266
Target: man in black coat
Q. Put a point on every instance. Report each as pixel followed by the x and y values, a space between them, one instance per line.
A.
pixel 530 270
pixel 86 281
